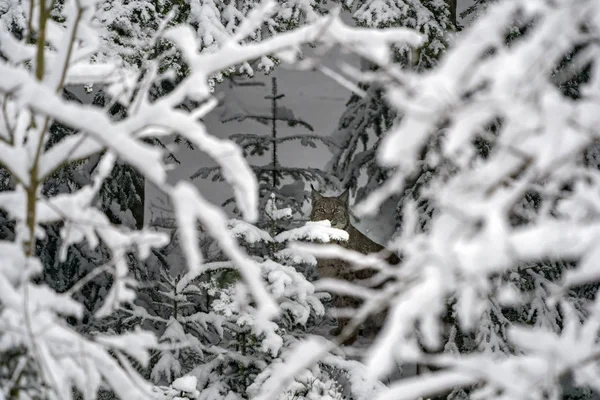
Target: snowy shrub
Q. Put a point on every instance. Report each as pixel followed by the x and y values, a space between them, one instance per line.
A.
pixel 47 46
pixel 212 333
pixel 240 348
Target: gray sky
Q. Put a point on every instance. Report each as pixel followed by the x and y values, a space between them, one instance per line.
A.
pixel 312 97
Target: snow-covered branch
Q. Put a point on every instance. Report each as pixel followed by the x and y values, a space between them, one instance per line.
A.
pixel 71 47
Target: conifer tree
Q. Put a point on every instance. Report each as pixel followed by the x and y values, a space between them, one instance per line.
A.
pixel 286 183
pixel 367 115
pixel 208 332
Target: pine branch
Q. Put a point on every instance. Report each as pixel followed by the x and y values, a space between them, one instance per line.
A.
pixel 264 119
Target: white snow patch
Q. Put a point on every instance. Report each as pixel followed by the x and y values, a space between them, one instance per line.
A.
pixel 320 231
pixel 186 384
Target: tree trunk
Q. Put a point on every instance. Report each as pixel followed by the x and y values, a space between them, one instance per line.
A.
pixel 453 17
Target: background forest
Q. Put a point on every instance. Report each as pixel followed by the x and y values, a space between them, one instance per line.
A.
pixel 156 166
